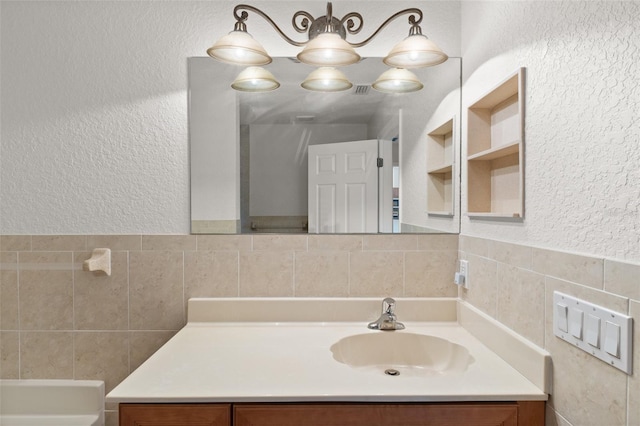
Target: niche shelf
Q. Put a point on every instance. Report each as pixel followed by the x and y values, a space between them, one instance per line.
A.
pixel 440 165
pixel 495 151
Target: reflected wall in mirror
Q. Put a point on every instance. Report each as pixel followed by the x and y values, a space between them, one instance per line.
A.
pixel 250 151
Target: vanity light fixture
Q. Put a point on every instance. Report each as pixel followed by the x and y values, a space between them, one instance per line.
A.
pixel 415 51
pixel 255 79
pixel 326 79
pixel 328 49
pixel 239 48
pixel 326 44
pixel 397 80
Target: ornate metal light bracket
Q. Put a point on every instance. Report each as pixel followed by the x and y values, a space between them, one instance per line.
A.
pixel 304 22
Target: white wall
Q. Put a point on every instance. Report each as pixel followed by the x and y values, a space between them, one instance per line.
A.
pixel 582 155
pixel 94 122
pixel 278 163
pixel 94 104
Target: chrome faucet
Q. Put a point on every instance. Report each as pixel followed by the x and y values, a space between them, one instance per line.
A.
pixel 387 320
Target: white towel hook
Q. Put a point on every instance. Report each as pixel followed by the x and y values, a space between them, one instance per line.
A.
pixel 100 261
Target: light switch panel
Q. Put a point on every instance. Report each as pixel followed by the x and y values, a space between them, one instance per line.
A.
pixel 601 332
pixel 462 277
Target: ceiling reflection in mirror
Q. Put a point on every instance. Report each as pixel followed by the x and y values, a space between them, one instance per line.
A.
pixel 250 152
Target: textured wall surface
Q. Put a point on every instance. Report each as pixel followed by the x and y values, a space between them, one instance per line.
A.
pixel 582 186
pixel 94 104
pixel 582 180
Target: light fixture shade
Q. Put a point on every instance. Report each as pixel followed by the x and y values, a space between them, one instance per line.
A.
pixel 397 80
pixel 415 51
pixel 326 79
pixel 255 79
pixel 328 49
pixel 239 48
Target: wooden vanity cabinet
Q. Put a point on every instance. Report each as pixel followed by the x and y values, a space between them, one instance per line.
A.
pixel 524 413
pixel 175 414
pixel 445 414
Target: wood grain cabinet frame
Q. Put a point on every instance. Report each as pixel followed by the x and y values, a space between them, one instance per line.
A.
pixel 523 413
pixel 175 414
pixel 446 414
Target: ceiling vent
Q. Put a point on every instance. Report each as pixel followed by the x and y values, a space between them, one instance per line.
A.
pixel 361 89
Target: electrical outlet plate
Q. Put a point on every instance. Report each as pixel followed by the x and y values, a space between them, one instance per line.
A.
pixel 598 331
pixel 464 271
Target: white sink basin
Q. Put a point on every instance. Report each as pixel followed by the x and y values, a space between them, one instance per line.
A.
pixel 399 353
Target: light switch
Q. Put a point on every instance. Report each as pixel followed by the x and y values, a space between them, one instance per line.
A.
pixel 612 339
pixel 592 331
pixel 575 322
pixel 561 317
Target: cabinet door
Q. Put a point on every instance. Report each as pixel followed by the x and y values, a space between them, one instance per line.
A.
pixel 500 414
pixel 175 414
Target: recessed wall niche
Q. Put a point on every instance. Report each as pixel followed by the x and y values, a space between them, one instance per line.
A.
pixel 495 151
pixel 440 165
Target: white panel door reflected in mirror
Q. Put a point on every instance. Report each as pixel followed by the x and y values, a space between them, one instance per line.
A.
pixel 249 151
pixel 343 188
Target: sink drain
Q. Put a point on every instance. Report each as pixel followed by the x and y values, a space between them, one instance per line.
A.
pixel 391 372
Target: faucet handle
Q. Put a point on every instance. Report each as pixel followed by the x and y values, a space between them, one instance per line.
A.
pixel 388 306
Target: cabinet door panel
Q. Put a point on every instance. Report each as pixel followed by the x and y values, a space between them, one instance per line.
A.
pixel 175 414
pixel 531 413
pixel 377 415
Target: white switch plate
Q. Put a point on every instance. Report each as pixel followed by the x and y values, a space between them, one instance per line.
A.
pixel 592 312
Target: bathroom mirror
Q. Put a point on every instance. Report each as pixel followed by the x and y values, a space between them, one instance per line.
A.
pixel 249 151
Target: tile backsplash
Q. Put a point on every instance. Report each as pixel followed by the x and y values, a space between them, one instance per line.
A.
pixel 515 284
pixel 58 321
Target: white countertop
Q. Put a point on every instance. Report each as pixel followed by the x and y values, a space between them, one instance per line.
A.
pixel 287 361
pixel 242 363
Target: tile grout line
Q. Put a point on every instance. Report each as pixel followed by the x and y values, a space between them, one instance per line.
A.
pixel 293 273
pixel 184 293
pixel 129 307
pixel 349 274
pixel 238 273
pixel 73 313
pixel 404 273
pixel 19 317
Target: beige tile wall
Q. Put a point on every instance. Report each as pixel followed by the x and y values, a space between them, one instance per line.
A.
pixel 58 321
pixel 515 284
